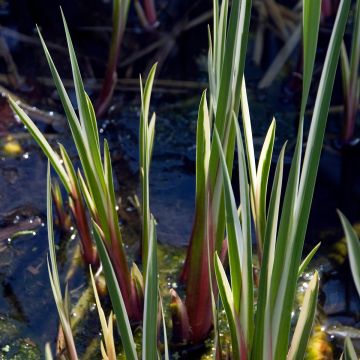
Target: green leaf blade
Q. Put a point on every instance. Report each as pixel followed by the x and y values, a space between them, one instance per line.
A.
pixel 311 22
pixel 308 258
pixel 349 350
pixel 305 321
pixel 43 143
pixel 87 115
pixel 262 177
pixel 117 301
pixel 149 342
pixel 263 333
pixel 353 245
pixel 228 303
pixel 301 211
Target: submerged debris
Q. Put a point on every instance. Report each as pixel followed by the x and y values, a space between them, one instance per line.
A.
pixel 20 228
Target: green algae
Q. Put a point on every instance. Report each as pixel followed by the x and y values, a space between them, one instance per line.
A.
pixel 20 349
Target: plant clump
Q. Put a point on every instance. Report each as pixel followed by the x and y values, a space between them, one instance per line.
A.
pixel 218 276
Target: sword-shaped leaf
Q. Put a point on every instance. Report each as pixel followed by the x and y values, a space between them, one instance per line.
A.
pixel 146 139
pixel 106 327
pixel 41 140
pixel 349 351
pixel 117 301
pixel 300 212
pixel 263 331
pixel 308 258
pixel 150 325
pixel 353 245
pixel 305 321
pixel 262 177
pixel 229 306
pixel 61 303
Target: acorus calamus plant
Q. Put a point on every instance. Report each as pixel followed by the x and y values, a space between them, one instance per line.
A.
pixel 226 60
pixel 227 90
pixel 258 307
pixel 134 296
pixel 92 182
pixel 151 301
pixel 264 331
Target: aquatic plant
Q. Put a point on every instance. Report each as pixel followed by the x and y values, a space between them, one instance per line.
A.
pixel 96 185
pixel 255 332
pixel 94 181
pixel 107 343
pixel 226 59
pixel 226 62
pixel 349 351
pixel 62 302
pixel 265 332
pixel 353 245
pixel 146 141
pixel 151 299
pixel 350 79
pixel 65 170
pixel 120 14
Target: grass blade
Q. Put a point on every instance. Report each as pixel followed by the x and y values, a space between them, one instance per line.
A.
pixel 318 122
pixel 311 21
pixel 54 278
pixel 262 336
pixel 146 138
pixel 67 106
pixel 117 301
pixel 109 175
pixel 262 177
pixel 149 341
pixel 81 142
pixel 307 182
pixel 40 139
pixel 166 346
pixel 92 118
pixel 305 321
pixel 151 136
pixel 228 102
pixel 88 199
pixel 249 145
pixel 202 149
pixel 353 245
pixel 234 235
pixel 228 303
pixel 247 305
pixel 308 258
pixel 110 196
pixel 107 332
pixel 87 116
pixel 349 351
pixel 239 242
